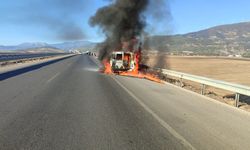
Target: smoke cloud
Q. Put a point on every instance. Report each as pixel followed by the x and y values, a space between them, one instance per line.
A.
pixel 124 20
pixel 121 21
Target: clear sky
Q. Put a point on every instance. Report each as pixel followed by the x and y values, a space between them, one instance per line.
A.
pixel 55 21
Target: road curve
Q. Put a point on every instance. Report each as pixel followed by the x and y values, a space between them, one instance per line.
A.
pixel 69 105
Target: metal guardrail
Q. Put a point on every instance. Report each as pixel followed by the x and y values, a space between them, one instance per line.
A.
pixel 12 58
pixel 237 88
pixel 18 56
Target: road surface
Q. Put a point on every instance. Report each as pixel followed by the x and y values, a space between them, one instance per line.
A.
pixel 70 105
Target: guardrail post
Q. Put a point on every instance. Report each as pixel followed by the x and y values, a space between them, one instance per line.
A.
pixel 237 99
pixel 181 81
pixel 203 87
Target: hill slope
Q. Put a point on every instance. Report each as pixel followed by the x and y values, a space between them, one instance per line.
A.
pixel 63 46
pixel 42 50
pixel 219 40
pixel 74 45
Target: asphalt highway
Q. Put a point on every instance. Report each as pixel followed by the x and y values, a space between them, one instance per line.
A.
pixel 70 105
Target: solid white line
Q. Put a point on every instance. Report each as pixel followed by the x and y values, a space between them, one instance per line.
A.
pixel 162 122
pixel 57 74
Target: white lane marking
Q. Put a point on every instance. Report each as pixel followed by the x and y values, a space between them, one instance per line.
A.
pixel 52 78
pixel 162 122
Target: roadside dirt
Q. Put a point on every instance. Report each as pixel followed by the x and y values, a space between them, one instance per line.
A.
pixel 221 68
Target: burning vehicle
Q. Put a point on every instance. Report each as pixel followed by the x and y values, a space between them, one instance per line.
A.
pixel 126 62
pixel 122 61
pixel 127 59
pixel 123 23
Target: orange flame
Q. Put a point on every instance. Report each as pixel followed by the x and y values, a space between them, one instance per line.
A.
pixel 107 67
pixel 134 73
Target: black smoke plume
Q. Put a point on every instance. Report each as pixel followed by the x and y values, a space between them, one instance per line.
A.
pixel 124 20
pixel 121 21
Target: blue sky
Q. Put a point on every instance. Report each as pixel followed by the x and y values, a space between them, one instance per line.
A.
pixel 55 21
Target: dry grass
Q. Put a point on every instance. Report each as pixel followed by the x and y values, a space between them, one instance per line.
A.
pixel 231 70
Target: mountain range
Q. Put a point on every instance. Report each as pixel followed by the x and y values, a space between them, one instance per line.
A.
pixel 231 39
pixel 224 40
pixel 66 46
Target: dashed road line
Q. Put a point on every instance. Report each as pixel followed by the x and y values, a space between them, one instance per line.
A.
pixel 52 78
